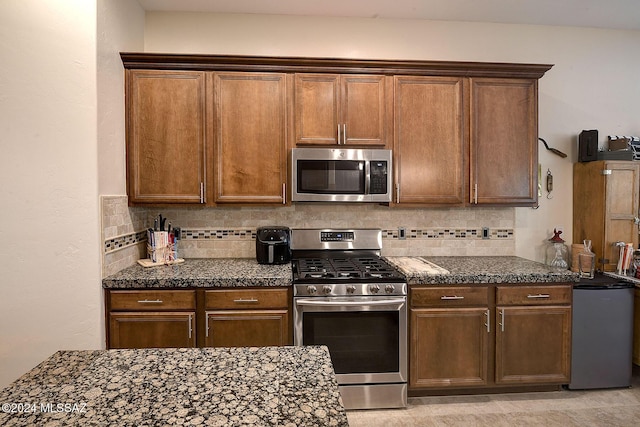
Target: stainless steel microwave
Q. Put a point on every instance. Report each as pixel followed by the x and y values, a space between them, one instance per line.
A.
pixel 341 175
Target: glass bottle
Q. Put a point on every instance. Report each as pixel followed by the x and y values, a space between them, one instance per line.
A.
pixel 587 261
pixel 557 254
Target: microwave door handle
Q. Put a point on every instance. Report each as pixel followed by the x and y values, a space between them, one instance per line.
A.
pixel 367 177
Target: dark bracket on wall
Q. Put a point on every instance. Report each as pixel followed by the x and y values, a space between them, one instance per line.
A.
pixel 553 150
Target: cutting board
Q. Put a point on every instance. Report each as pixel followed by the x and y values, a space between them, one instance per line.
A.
pixel 148 263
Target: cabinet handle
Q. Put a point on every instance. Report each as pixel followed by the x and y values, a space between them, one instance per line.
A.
pixel 246 301
pixel 502 320
pixel 444 297
pixel 206 331
pixel 344 134
pixel 338 134
pixel 202 192
pixel 538 296
pixel 475 194
pixel 190 328
pixel 147 301
pixel 284 193
pixel 488 323
pixel 397 193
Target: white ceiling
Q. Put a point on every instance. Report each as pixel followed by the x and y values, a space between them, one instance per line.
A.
pixel 617 14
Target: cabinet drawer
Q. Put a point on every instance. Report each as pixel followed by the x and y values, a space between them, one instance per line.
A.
pixel 152 300
pixel 452 296
pixel 247 298
pixel 533 295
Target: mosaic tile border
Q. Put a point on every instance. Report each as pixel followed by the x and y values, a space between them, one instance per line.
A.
pixel 229 234
pixel 117 243
pixel 450 233
pixel 121 242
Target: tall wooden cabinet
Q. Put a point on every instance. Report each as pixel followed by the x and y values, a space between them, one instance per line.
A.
pixel 249 128
pixel 605 207
pixel 503 155
pixel 429 140
pixel 165 136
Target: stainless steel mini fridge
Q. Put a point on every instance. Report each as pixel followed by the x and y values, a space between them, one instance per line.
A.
pixel 602 334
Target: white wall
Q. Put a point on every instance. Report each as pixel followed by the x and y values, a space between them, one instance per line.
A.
pixel 50 287
pixel 120 29
pixel 593 84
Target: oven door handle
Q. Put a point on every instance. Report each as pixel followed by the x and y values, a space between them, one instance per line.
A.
pixel 369 302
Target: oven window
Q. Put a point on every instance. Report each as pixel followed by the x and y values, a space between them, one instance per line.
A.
pixel 359 342
pixel 331 176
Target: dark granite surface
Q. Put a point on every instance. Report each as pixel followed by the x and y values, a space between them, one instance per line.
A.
pixel 266 386
pixel 211 272
pixel 489 269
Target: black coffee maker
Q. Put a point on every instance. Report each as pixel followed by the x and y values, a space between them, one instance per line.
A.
pixel 272 245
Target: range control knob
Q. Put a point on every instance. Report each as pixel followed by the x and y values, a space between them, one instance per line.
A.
pixel 312 290
pixel 351 289
pixel 374 289
pixel 389 289
pixel 326 289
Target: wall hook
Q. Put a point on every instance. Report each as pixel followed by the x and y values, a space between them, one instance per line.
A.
pixel 553 150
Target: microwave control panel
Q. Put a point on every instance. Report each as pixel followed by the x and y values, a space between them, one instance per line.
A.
pixel 378 183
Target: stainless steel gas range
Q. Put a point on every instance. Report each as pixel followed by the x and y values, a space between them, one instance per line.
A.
pixel 351 300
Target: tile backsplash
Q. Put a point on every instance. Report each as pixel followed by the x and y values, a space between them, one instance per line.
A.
pixel 225 232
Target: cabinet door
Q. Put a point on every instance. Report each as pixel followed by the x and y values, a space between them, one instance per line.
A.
pixel 151 329
pixel 250 138
pixel 533 345
pixel 504 142
pixel 332 109
pixel 363 111
pixel 165 136
pixel 247 328
pixel 449 347
pixel 316 109
pixel 621 209
pixel 429 141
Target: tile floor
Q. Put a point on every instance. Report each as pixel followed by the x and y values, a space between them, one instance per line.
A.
pixel 613 407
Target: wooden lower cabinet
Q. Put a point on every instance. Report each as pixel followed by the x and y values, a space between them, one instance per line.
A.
pixel 450 347
pixel 247 328
pixel 199 318
pixel 488 336
pixel 151 318
pixel 155 329
pixel 533 345
pixel 247 317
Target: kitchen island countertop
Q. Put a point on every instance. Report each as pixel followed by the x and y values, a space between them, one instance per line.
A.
pixel 196 272
pixel 482 270
pixel 260 386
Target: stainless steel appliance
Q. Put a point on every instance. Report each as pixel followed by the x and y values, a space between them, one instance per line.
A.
pixel 602 333
pixel 272 245
pixel 341 175
pixel 350 299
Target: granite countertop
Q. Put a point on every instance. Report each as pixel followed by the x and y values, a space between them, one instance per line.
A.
pixel 265 386
pixel 483 269
pixel 210 272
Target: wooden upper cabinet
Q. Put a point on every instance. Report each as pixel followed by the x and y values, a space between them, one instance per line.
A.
pixel 165 136
pixel 332 109
pixel 429 140
pixel 250 151
pixel 503 142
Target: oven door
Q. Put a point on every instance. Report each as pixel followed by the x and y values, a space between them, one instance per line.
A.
pixel 366 336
